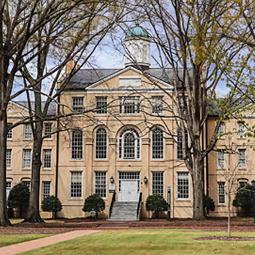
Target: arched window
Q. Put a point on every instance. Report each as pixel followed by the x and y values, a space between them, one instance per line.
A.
pixel 101 143
pixel 129 144
pixel 157 143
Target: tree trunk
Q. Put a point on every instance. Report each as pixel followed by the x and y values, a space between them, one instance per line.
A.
pixel 3 209
pixel 3 136
pixel 229 214
pixel 33 214
pixel 198 190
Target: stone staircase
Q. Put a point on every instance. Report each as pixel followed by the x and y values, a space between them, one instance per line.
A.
pixel 124 211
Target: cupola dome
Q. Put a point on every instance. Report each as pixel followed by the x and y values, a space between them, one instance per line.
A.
pixel 136 31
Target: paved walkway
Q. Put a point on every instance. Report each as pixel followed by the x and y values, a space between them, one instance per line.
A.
pixel 34 244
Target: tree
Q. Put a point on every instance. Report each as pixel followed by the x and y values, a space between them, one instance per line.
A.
pixel 19 196
pixel 94 203
pixel 51 204
pixel 79 32
pixel 20 23
pixel 194 56
pixel 156 203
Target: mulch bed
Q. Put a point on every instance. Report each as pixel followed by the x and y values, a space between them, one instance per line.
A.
pixel 66 225
pixel 225 238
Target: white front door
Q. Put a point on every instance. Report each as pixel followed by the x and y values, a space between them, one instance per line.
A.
pixel 129 191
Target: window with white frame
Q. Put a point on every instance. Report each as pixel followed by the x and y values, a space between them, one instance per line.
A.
pixel 8 188
pixel 220 159
pixel 45 189
pixel 101 143
pixel 100 184
pixel 28 184
pixel 78 104
pixel 76 184
pixel 129 144
pixel 221 193
pixel 8 158
pixel 157 104
pixel 9 134
pixel 158 183
pixel 27 158
pixel 183 185
pixel 48 130
pixel 77 144
pixel 101 105
pixel 157 143
pixel 47 158
pixel 129 105
pixel 221 130
pixel 242 158
pixel 179 145
pixel 28 134
pixel 241 129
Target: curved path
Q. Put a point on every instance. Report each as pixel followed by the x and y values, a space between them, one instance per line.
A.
pixel 38 243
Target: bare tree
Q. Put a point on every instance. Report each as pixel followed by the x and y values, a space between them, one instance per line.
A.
pixel 194 57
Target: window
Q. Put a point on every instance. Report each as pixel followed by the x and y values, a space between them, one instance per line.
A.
pixel 242 158
pixel 8 189
pixel 158 183
pixel 77 144
pixel 241 129
pixel 129 144
pixel 221 130
pixel 78 104
pixel 129 105
pixel 76 185
pixel 183 185
pixel 157 143
pixel 8 158
pixel 157 104
pixel 180 143
pixel 47 158
pixel 9 134
pixel 48 130
pixel 101 105
pixel 28 184
pixel 45 189
pixel 220 159
pixel 100 184
pixel 28 132
pixel 221 193
pixel 27 158
pixel 101 143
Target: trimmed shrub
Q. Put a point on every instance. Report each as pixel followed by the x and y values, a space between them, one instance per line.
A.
pixel 51 204
pixel 244 197
pixel 94 203
pixel 19 196
pixel 209 204
pixel 156 203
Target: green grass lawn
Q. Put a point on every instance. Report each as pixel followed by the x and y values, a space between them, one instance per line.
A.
pixel 13 239
pixel 151 241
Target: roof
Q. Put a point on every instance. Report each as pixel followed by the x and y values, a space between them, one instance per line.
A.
pixel 86 77
pixel 24 104
pixel 137 31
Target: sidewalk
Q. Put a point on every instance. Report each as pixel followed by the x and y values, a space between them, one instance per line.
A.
pixel 34 244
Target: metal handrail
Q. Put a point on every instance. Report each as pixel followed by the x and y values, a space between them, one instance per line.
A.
pixel 113 200
pixel 139 206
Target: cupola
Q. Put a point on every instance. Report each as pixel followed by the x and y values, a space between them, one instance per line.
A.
pixel 137 47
